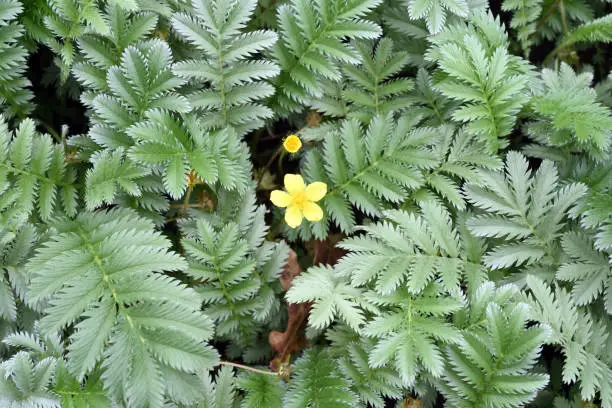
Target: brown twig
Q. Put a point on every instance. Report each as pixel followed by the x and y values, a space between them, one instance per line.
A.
pixel 276 153
pixel 270 137
pixel 293 338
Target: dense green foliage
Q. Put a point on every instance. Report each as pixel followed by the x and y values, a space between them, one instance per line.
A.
pixel 459 256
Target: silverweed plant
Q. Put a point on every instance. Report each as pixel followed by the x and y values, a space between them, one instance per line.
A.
pixel 305 204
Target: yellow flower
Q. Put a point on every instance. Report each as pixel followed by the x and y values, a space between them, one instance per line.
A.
pixel 299 200
pixel 292 144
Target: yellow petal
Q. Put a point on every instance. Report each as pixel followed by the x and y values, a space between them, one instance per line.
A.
pixel 312 211
pixel 316 191
pixel 293 216
pixel 280 198
pixel 294 183
pixel 292 144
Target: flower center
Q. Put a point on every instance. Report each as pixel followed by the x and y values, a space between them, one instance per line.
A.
pixel 299 199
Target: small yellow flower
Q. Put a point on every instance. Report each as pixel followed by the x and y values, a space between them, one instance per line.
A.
pixel 292 144
pixel 299 200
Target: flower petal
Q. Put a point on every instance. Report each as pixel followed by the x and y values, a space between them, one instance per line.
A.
pixel 316 191
pixel 293 216
pixel 280 198
pixel 294 183
pixel 312 211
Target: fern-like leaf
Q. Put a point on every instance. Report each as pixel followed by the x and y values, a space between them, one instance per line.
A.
pixel 331 296
pixel 580 338
pixel 100 273
pixel 373 88
pixel 526 210
pixel 574 116
pixel 235 269
pixel 14 93
pixel 435 11
pixel 493 364
pixel 33 173
pixel 477 70
pixel 588 269
pixel 318 383
pixel 236 80
pixel 311 45
pixel 366 168
pixel 525 15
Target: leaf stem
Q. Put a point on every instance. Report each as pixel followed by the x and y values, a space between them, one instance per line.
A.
pixel 548 14
pixel 256 370
pixel 563 18
pixel 187 197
